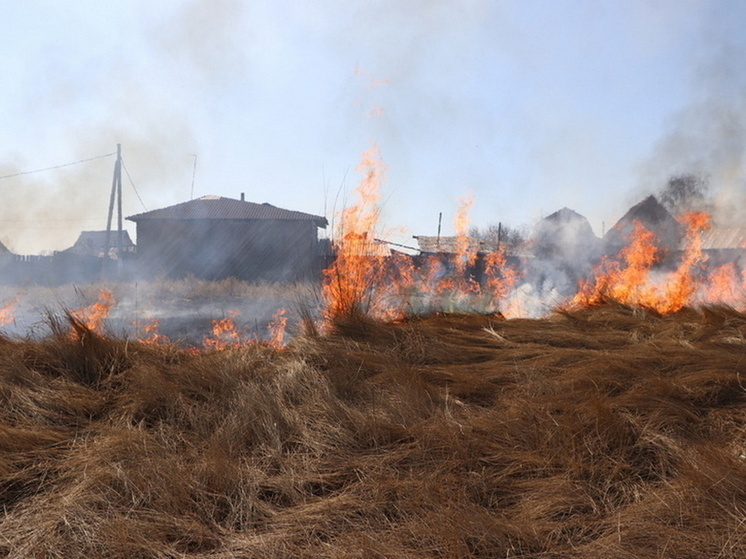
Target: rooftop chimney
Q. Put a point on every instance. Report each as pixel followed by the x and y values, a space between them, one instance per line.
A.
pixel 243 198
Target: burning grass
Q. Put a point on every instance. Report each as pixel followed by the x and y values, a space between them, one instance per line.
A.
pixel 191 312
pixel 603 432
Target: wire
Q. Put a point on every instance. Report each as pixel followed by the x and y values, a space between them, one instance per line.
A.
pixel 57 166
pixel 133 185
pixel 73 219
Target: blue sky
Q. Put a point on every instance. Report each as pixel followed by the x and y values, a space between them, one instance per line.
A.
pixel 529 106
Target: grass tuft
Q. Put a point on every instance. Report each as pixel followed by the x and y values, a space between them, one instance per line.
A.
pixel 600 433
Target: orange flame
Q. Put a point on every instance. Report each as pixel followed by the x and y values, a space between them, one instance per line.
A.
pixel 93 316
pixel 683 283
pixel 152 333
pixel 501 277
pixel 224 334
pixel 628 280
pixel 7 313
pixel 465 256
pixel 348 284
pixel 724 286
pixel 277 328
pixel 365 278
pixel 625 279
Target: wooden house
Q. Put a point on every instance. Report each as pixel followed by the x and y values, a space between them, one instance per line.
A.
pixel 213 237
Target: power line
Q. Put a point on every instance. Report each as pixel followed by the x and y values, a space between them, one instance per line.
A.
pixel 57 166
pixel 47 220
pixel 133 186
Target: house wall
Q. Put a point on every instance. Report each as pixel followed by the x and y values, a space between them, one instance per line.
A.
pixel 271 250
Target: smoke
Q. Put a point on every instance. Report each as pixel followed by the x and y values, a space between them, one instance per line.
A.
pixel 707 138
pixel 206 36
pixel 46 211
pixel 91 90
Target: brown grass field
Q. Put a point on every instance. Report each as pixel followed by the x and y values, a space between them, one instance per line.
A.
pixel 603 433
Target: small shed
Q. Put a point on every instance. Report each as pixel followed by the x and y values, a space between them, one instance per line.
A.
pixel 213 237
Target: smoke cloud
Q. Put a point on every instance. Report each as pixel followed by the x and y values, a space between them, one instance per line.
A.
pixel 708 136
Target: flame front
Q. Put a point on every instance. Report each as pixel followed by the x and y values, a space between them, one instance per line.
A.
pixel 685 281
pixel 224 334
pixel 350 281
pixel 277 328
pixel 365 278
pixel 152 333
pixel 625 279
pixel 93 316
pixel 630 279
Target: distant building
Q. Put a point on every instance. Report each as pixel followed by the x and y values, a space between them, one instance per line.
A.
pixel 563 250
pixel 94 243
pixel 655 218
pixel 215 238
pixel 565 235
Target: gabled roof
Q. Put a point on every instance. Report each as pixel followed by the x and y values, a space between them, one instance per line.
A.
pixel 217 207
pixel 565 235
pixel 654 217
pixel 93 242
pixel 651 213
pixel 565 215
pixel 563 226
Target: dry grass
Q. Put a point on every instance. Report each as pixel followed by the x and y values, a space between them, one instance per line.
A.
pixel 183 309
pixel 605 433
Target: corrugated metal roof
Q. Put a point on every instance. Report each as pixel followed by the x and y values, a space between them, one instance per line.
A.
pixel 216 207
pixel 724 238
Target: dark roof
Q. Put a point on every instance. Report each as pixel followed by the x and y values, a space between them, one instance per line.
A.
pixel 654 217
pixel 565 235
pixel 563 226
pixel 565 215
pixel 649 212
pixel 93 242
pixel 217 207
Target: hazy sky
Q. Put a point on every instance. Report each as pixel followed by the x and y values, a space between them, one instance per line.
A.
pixel 529 105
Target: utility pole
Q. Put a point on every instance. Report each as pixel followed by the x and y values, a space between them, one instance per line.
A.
pixel 116 193
pixel 440 220
pixel 194 172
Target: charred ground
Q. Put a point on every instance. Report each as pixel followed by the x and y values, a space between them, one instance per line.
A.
pixel 606 432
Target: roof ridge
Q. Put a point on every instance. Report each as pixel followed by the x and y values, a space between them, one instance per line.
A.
pixel 219 207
